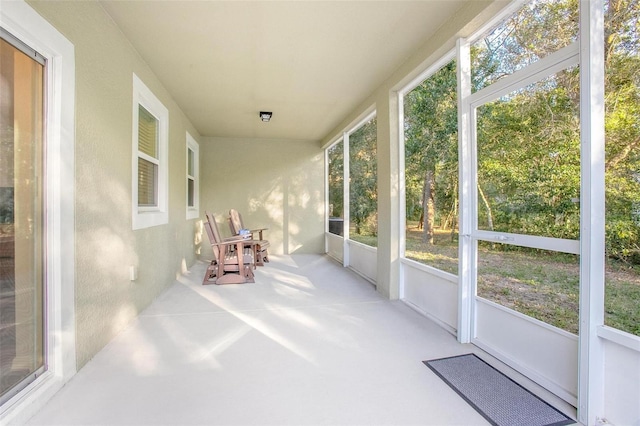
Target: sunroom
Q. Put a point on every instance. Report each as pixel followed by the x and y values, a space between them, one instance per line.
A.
pixel 473 162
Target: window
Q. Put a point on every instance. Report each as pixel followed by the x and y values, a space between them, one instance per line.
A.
pixel 431 170
pixel 363 183
pixel 538 29
pixel 526 125
pixel 193 177
pixel 335 155
pixel 529 159
pixel 622 166
pixel 150 164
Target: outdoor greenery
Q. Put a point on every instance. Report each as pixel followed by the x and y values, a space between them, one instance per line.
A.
pixel 363 186
pixel 529 164
pixel 431 152
pixel 363 192
pixel 541 284
pixel 336 180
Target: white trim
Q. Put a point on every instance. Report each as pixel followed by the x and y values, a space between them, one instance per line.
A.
pixel 401 93
pixel 353 125
pixel 364 118
pixel 619 337
pixel 531 241
pixel 436 320
pixel 547 66
pixel 370 115
pixel 498 19
pixel 591 381
pixel 194 211
pixel 363 246
pixel 345 193
pixel 346 212
pixel 531 373
pixel 363 276
pixel 326 197
pixel 26 24
pixel 145 217
pixel 332 142
pixel 466 246
pixel 431 70
pixel 402 193
pixel 528 318
pixel 430 270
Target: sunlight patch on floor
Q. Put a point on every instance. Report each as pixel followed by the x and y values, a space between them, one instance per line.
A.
pixel 255 323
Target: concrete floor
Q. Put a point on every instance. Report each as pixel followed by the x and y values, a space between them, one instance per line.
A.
pixel 310 343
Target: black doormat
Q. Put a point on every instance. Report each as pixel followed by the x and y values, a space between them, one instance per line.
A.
pixel 496 397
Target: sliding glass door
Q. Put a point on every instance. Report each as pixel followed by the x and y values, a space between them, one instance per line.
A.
pixel 22 284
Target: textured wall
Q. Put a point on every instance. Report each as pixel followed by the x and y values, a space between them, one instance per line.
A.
pixel 272 183
pixel 105 244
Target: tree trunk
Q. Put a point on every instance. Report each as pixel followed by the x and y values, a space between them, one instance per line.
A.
pixel 454 215
pixel 486 205
pixel 428 205
pixel 450 221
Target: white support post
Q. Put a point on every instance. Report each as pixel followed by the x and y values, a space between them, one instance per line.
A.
pixel 592 218
pixel 402 206
pixel 326 199
pixel 466 253
pixel 345 210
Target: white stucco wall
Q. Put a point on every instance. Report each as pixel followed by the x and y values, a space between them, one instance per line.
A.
pixel 278 184
pixel 105 245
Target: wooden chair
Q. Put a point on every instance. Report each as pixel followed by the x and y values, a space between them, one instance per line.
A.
pixel 228 266
pixel 261 245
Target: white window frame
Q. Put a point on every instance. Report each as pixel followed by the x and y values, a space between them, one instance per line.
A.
pixel 365 117
pixel 587 53
pixel 553 63
pixel 400 95
pixel 193 212
pixel 145 216
pixel 27 25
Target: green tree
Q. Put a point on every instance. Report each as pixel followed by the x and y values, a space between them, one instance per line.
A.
pixel 622 125
pixel 528 141
pixel 336 180
pixel 529 162
pixel 363 175
pixel 431 151
pixel 530 183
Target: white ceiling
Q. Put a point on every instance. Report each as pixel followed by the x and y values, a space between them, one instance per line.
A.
pixel 310 62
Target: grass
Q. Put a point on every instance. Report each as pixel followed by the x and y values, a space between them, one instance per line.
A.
pixel 370 240
pixel 537 283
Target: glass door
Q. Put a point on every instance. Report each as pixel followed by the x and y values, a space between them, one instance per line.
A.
pixel 22 283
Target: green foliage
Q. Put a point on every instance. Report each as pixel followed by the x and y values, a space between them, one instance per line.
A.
pixel 529 144
pixel 431 144
pixel 622 126
pixel 336 180
pixel 529 161
pixel 539 28
pixel 363 176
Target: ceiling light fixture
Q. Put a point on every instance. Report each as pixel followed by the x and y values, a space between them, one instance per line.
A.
pixel 265 116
